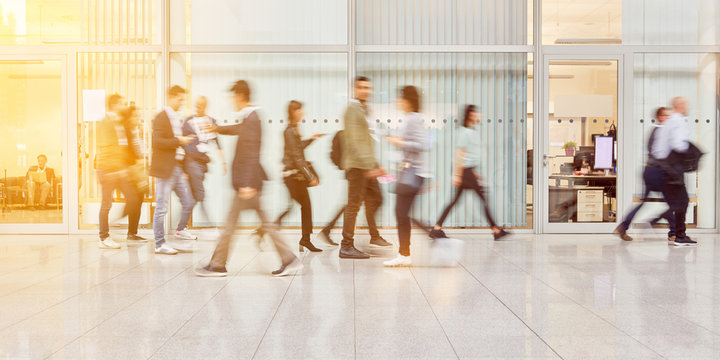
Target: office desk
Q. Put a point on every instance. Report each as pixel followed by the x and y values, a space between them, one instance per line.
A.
pixel 591 179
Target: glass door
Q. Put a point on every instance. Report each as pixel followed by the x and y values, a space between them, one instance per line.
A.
pixel 33 159
pixel 582 109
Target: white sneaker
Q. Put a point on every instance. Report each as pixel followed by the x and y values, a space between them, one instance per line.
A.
pixel 108 243
pixel 185 234
pixel 399 261
pixel 294 267
pixel 165 250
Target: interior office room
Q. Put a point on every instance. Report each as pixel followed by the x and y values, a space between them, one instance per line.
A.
pixel 586 231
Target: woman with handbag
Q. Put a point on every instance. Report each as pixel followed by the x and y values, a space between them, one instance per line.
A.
pixel 298 173
pixel 467 159
pixel 413 144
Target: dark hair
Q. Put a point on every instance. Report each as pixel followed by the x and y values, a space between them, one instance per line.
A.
pixel 292 107
pixel 659 111
pixel 175 90
pixel 469 109
pixel 42 156
pixel 114 99
pixel 241 87
pixel 361 78
pixel 411 95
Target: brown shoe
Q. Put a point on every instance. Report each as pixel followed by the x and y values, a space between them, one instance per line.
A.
pixel 620 232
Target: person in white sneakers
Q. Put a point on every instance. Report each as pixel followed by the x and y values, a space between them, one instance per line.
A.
pixel 411 169
pixel 167 168
pixel 112 163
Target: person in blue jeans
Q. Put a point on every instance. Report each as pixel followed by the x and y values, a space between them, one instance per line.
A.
pixel 167 168
pixel 654 179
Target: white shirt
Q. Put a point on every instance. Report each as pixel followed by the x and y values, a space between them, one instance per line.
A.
pixel 177 129
pixel 671 135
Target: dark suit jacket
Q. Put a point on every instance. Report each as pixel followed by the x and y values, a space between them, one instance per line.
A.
pixel 164 146
pixel 246 168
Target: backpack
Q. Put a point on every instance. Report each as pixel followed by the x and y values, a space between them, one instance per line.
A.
pixel 336 151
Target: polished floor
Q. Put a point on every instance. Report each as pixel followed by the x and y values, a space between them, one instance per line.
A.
pixel 531 297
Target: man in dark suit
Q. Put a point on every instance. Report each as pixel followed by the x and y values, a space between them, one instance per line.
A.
pixel 39 177
pixel 247 179
pixel 167 168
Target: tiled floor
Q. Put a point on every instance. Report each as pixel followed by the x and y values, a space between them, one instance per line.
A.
pixel 538 297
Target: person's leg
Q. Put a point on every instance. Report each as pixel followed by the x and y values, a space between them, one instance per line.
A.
pixel 131 200
pixel 480 191
pixel 163 189
pixel 196 175
pixel 356 189
pixel 107 188
pixel 676 196
pixel 286 255
pixel 134 212
pixel 402 214
pixel 182 190
pixel 220 255
pixel 290 185
pixel 373 201
pixel 299 193
pixel 458 192
pixel 44 191
pixel 32 187
pixel 331 224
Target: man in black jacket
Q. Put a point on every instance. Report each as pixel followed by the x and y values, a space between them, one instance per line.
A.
pixel 247 179
pixel 167 168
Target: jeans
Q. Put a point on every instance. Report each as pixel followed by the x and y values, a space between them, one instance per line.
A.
pixel 196 175
pixel 653 177
pixel 469 182
pixel 220 255
pixel 109 182
pixel 360 189
pixel 403 206
pixel 299 192
pixel 163 189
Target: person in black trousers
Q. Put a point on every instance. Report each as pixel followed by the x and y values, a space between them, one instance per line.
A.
pixel 467 159
pixel 298 174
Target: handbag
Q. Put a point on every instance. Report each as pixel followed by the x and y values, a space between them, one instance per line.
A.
pixel 307 175
pixel 408 181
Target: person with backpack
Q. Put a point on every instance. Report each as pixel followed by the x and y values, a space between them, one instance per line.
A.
pixel 653 177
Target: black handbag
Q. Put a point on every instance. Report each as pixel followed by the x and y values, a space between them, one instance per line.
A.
pixel 308 174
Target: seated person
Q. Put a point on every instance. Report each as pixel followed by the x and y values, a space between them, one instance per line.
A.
pixel 41 178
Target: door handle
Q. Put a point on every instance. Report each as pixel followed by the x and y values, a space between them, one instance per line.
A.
pixel 545 159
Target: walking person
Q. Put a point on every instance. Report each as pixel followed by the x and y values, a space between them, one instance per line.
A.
pixel 465 177
pixel 298 173
pixel 363 169
pixel 199 128
pixel 136 171
pixel 167 168
pixel 671 140
pixel 654 179
pixel 247 178
pixel 112 164
pixel 413 143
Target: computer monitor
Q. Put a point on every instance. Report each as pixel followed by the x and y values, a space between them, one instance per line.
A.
pixel 604 152
pixel 584 154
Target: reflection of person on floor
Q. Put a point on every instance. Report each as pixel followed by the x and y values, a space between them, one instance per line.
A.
pixel 40 178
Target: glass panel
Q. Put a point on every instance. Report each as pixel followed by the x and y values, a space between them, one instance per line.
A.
pixel 100 22
pixel 251 22
pixel 631 22
pixel 136 77
pixel 659 78
pixel 319 81
pixel 583 113
pixel 32 116
pixel 497 84
pixel 434 22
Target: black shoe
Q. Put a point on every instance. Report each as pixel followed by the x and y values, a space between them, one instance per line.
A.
pixel 379 242
pixel 500 235
pixel 437 234
pixel 350 252
pixel 308 245
pixel 620 232
pixel 685 241
pixel 135 237
pixel 325 235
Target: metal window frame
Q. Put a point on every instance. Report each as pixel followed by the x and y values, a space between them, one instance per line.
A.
pixel 351 49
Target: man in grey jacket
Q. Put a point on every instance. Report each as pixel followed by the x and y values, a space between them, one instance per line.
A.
pixel 362 169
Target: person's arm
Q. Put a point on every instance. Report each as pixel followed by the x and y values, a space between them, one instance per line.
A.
pixel 358 140
pixel 230 129
pixel 414 137
pixel 161 129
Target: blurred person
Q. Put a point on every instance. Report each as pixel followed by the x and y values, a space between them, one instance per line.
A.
pixel 653 177
pixel 298 173
pixel 414 145
pixel 39 178
pixel 111 163
pixel 134 161
pixel 200 128
pixel 465 177
pixel 247 179
pixel 167 168
pixel 362 168
pixel 672 138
